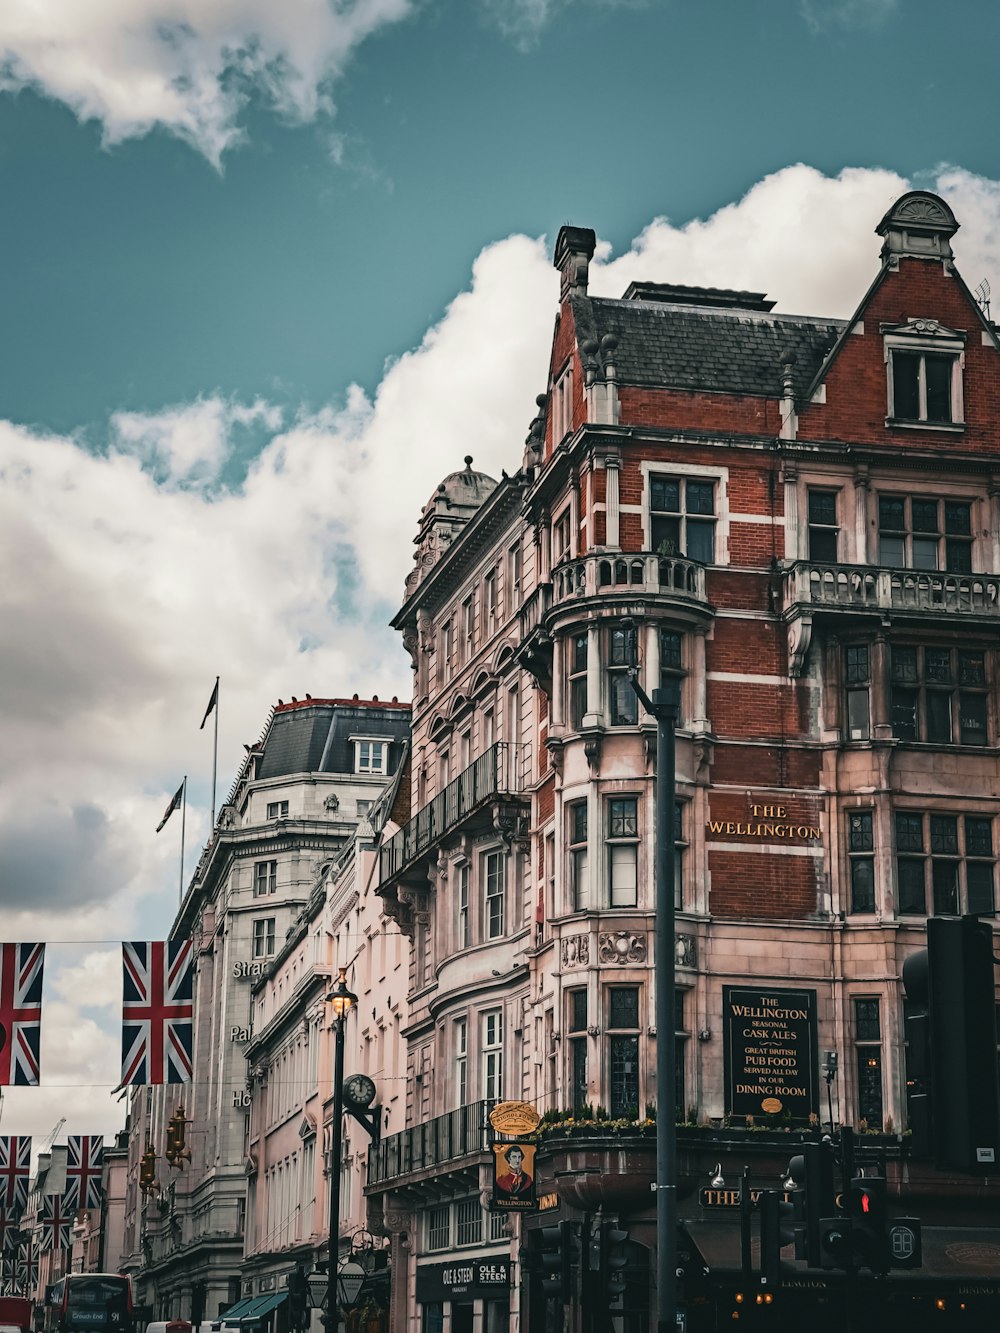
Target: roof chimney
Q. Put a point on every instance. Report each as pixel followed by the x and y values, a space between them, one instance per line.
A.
pixel 574 251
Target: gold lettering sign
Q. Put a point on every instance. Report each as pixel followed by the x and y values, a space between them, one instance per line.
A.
pixel 770 823
pixel 514 1118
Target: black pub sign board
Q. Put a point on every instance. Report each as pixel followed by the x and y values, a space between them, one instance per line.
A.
pixel 771 1066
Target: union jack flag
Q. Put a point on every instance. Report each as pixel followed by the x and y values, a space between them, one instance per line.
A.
pixel 85 1158
pixel 15 1168
pixel 20 1011
pixel 55 1225
pixel 157 1026
pixel 26 1268
pixel 8 1230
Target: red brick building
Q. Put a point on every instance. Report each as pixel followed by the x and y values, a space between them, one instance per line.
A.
pixel 797 518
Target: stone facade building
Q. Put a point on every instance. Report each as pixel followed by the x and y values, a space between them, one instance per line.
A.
pixel 797 522
pixel 317 769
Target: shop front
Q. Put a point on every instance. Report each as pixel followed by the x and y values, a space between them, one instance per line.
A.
pixel 463 1289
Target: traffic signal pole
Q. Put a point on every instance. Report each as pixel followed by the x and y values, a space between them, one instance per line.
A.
pixel 663 707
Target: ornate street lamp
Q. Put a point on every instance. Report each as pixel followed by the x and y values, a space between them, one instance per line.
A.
pixel 341 998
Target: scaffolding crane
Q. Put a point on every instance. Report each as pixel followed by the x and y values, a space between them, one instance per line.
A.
pixel 52 1137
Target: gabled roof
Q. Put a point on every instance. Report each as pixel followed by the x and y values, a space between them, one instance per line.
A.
pixel 729 348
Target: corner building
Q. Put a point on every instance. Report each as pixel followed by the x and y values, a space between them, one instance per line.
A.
pixel 797 520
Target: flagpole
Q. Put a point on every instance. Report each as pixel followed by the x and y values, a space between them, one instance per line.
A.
pixel 184 788
pixel 215 757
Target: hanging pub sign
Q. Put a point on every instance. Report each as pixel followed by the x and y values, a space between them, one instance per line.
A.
pixel 770 1052
pixel 514 1178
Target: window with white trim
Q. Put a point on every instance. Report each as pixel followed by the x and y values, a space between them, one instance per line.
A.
pixel 623 705
pixel 464 925
pixel 925 383
pixel 265 878
pixel 490 600
pixel 492 1048
pixel 577 648
pixel 495 888
pixel 623 851
pixel 468 627
pixel 439 1227
pixel 579 869
pixel 468 1221
pixel 371 756
pixel 461 1061
pixel 561 539
pixel 263 937
pixel 917 532
pixel 824 530
pixel 562 405
pixel 277 809
pixel 682 517
pixel 514 576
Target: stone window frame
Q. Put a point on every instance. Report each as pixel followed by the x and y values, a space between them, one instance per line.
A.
pixel 697 472
pixel 923 336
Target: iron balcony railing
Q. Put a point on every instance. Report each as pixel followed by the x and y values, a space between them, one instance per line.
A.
pixel 869 588
pixel 443 1139
pixel 642 572
pixel 499 771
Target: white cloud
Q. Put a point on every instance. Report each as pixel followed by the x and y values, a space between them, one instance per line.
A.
pixel 129 578
pixel 805 238
pixel 186 65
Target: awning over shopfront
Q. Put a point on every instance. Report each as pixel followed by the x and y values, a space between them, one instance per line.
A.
pixel 252 1309
pixel 966 1258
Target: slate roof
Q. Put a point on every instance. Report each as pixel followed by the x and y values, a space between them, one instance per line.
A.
pixel 725 349
pixel 314 737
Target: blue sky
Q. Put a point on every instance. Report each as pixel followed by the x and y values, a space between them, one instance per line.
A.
pixel 269 271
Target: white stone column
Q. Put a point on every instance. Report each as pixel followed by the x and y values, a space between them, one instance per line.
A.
pixel 612 511
pixel 696 674
pixel 593 716
pixel 861 492
pixel 792 551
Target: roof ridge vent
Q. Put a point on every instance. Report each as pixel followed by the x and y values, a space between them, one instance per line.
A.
pixel 725 298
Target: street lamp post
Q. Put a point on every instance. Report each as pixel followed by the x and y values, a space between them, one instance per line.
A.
pixel 341 998
pixel 663 706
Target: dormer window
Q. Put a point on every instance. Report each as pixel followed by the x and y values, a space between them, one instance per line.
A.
pixel 371 756
pixel 924 363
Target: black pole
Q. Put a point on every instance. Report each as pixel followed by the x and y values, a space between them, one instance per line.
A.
pixel 332 1317
pixel 663 706
pixel 665 711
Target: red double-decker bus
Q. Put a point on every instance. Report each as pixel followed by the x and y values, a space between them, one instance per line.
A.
pixel 80 1302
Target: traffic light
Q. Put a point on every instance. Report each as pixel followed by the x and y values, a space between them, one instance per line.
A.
pixel 952 1046
pixel 966 1104
pixel 776 1231
pixel 298 1297
pixel 812 1198
pixel 917 1025
pixel 177 1151
pixel 836 1243
pixel 147 1171
pixel 555 1258
pixel 867 1210
pixel 614 1249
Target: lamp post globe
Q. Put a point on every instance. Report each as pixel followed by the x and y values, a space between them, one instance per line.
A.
pixel 341 999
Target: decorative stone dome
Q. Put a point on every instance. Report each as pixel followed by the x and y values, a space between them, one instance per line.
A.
pixel 463 490
pixel 447 511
